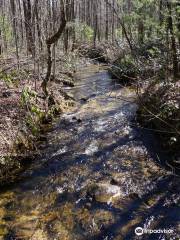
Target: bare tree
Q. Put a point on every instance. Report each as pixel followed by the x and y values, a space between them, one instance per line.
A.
pixel 52 40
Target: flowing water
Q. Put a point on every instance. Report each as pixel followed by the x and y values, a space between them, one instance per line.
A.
pixel 100 176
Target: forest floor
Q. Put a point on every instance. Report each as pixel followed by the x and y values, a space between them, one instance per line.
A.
pixel 25 113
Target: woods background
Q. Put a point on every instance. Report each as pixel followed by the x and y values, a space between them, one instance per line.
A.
pixel 25 25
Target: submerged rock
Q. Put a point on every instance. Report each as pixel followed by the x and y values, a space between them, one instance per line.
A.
pixel 104 192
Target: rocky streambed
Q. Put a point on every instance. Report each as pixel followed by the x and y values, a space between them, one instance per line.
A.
pixel 100 176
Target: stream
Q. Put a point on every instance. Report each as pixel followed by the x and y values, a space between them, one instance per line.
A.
pixel 100 175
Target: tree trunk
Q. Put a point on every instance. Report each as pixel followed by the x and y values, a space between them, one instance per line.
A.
pixel 13 9
pixel 28 26
pixel 173 41
pixel 52 40
pixel 107 22
pixel 140 31
pixel 95 22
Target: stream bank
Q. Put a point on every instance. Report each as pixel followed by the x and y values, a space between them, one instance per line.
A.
pixel 99 176
pixel 159 110
pixel 26 114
